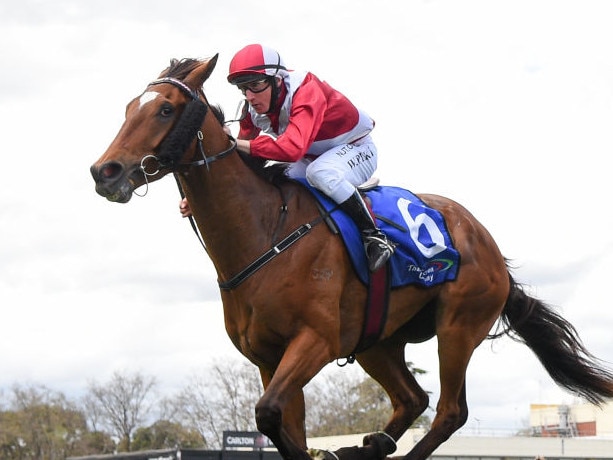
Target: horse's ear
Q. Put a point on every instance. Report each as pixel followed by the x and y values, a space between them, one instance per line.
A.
pixel 203 72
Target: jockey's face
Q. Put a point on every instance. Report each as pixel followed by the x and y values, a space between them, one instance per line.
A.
pixel 259 101
pixel 259 94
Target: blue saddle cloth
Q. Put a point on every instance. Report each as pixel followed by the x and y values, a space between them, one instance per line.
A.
pixel 424 251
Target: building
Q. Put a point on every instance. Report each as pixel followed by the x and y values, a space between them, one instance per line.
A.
pixel 577 420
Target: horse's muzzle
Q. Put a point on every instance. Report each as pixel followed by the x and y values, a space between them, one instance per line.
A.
pixel 112 182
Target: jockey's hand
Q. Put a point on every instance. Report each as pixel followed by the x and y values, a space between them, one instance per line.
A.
pixel 184 208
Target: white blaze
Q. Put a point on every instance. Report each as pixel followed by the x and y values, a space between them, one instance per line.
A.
pixel 147 97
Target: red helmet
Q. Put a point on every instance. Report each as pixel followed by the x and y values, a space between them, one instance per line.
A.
pixel 254 62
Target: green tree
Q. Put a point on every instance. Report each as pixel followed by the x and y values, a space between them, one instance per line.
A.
pixel 164 434
pixel 41 424
pixel 95 442
pixel 10 437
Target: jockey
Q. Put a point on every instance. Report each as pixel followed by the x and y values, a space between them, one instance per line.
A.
pixel 294 117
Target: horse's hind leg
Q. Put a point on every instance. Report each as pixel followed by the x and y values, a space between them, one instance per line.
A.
pixel 452 409
pixel 385 363
pixel 460 329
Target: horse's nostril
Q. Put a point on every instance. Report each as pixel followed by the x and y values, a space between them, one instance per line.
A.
pixel 110 170
pixel 107 172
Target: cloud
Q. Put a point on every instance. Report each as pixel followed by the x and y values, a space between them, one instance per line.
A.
pixel 505 107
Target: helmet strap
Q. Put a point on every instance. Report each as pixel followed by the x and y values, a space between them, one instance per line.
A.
pixel 275 94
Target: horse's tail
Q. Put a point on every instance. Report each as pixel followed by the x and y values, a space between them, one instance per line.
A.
pixel 557 345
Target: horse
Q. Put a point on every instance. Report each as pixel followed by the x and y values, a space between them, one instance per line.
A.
pixel 291 298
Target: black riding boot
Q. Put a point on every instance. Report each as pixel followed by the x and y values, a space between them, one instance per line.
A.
pixel 378 249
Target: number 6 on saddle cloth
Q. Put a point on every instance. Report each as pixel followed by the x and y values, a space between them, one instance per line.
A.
pixel 424 252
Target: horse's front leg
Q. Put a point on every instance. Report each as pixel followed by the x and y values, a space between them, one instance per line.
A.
pixel 293 414
pixel 279 414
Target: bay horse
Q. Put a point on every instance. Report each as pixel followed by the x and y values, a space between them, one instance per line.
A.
pixel 304 307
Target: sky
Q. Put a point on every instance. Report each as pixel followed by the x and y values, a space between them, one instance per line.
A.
pixel 503 106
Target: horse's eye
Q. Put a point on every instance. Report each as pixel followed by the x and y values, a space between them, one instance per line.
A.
pixel 166 110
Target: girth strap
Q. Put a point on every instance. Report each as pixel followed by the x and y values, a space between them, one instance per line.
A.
pixel 376 308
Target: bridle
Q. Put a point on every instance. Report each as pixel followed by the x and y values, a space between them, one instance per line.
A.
pixel 199 109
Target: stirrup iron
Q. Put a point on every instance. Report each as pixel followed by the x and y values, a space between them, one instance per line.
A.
pixel 378 250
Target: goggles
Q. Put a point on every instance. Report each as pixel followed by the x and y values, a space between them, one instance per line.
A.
pixel 255 87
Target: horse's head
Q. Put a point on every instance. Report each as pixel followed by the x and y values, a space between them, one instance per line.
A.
pixel 160 126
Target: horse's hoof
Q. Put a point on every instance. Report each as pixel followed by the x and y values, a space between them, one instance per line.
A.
pixel 350 453
pixel 321 454
pixel 382 442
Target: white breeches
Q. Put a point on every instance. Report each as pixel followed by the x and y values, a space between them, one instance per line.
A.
pixel 338 171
